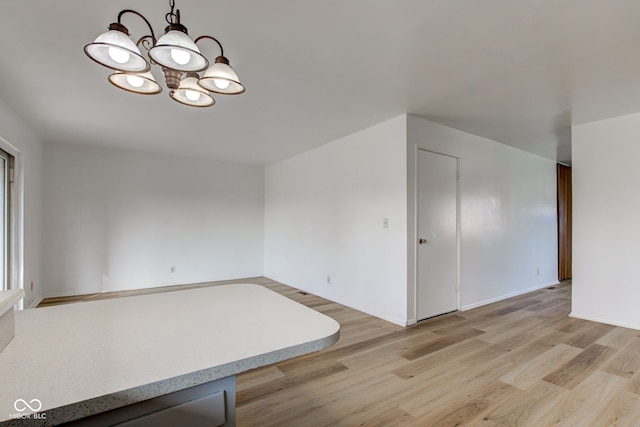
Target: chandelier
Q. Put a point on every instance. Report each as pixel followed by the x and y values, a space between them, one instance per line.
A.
pixel 177 55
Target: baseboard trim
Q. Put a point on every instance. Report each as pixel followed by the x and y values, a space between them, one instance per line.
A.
pixel 391 319
pixel 72 293
pixel 509 295
pixel 601 320
pixel 35 302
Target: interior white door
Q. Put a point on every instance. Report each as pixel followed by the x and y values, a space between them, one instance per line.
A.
pixel 437 249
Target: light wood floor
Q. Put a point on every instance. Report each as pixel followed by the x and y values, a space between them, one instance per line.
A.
pixel 518 362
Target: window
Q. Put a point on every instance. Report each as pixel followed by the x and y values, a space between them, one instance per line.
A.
pixel 6 190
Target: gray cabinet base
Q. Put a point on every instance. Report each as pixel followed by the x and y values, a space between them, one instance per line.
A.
pixel 211 404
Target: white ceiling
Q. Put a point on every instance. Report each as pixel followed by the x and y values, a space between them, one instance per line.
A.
pixel 520 72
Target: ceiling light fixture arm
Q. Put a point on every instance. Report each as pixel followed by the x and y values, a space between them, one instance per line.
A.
pixel 211 38
pixel 142 39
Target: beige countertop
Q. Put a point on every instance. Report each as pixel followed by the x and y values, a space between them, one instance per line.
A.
pixel 85 358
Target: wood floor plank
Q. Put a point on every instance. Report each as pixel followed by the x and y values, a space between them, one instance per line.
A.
pixel 466 410
pixel 622 410
pixel 441 343
pixel 298 404
pixel 440 322
pixel 432 385
pixel 618 337
pixel 571 325
pixel 536 347
pixel 627 360
pixel 451 328
pixel 524 406
pixel 517 306
pixel 330 402
pixel 395 417
pixel 590 336
pixel 545 305
pixel 510 329
pixel 634 384
pixel 257 377
pixel 527 374
pixel 325 369
pixel 500 348
pixel 554 313
pixel 375 401
pixel 492 323
pixel 587 401
pixel 452 353
pixel 386 353
pixel 580 367
pixel 463 394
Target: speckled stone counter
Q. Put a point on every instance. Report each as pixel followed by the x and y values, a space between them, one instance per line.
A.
pixel 72 361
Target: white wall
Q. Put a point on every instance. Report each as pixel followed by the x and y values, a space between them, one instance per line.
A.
pixel 116 219
pixel 606 221
pixel 324 215
pixel 27 145
pixel 508 226
pixel 324 210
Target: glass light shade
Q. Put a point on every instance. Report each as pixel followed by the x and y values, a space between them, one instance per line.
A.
pixel 189 93
pixel 177 51
pixel 114 49
pixel 220 78
pixel 142 83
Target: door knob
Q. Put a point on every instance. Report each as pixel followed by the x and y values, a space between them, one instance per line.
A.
pixel 422 241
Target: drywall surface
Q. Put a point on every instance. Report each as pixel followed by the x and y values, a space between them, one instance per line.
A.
pixel 19 139
pixel 324 221
pixel 507 214
pixel 606 229
pixel 117 219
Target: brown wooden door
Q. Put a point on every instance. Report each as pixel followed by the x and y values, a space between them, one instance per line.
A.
pixel 564 222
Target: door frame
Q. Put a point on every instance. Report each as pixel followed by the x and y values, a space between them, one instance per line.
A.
pixel 16 251
pixel 565 219
pixel 412 230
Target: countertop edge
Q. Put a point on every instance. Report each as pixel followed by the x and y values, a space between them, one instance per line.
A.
pixel 9 298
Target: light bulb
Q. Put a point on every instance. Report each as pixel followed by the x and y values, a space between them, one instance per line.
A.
pixel 193 95
pixel 221 83
pixel 120 56
pixel 135 81
pixel 180 56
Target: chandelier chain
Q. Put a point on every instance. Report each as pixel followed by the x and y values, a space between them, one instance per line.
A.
pixel 173 17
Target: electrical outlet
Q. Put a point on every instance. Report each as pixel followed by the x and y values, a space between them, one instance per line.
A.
pixel 328 280
pixel 385 222
pixel 538 271
pixel 32 285
pixel 173 269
